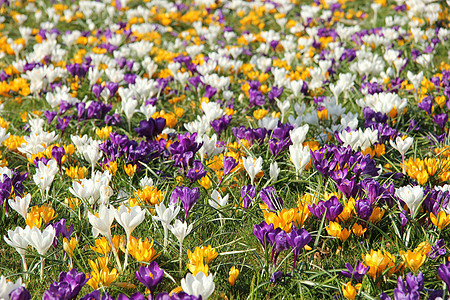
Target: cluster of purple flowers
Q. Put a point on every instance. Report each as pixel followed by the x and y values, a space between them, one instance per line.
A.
pixel 279 240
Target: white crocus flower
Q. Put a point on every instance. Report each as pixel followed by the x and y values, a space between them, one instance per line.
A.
pixel 45 174
pixel 21 204
pixel 199 284
pixel 298 134
pixel 17 240
pixel 129 219
pixel 217 201
pixel 41 241
pixel 252 166
pixel 180 230
pixel 165 215
pixel 6 286
pixel 283 106
pixel 101 223
pixel 412 196
pixel 402 146
pixel 92 154
pixel 300 157
pixel 274 171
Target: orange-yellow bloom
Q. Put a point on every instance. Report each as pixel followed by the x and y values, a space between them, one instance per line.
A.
pixel 358 230
pixel 142 250
pixel 378 262
pixel 100 274
pixel 441 220
pixel 350 291
pixel 130 169
pixel 69 246
pixel 232 275
pixel 414 259
pixel 334 229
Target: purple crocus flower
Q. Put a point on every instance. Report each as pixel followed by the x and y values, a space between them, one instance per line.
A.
pixel 135 296
pixel 437 250
pixel 97 89
pixel 261 232
pixel 356 273
pixel 426 105
pixel 58 153
pixel 63 123
pixel 187 196
pixel 178 296
pixel 298 238
pixel 112 87
pixel 364 208
pixel 96 295
pixel 276 277
pixel 229 163
pixel 197 171
pixel 151 128
pixel 348 187
pixel 279 240
pixel 412 288
pixel 21 293
pixel 50 115
pixel 275 92
pixel 221 124
pixel 150 276
pixel 130 78
pixel 248 193
pixel 440 120
pixel 5 188
pixel 68 286
pixel 332 207
pixel 269 197
pixel 444 273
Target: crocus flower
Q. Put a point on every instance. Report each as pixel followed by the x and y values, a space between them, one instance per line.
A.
pixel 412 288
pixel 150 276
pixel 412 196
pixel 356 273
pixel 151 128
pixel 252 166
pixel 180 230
pixel 198 285
pixel 165 215
pixel 20 293
pixel 7 287
pixel 41 241
pixel 17 239
pixel 67 287
pixel 102 224
pixel 298 239
pixel 248 193
pixel 268 196
pixel 187 196
pixel 437 250
pixel 21 204
pixel 402 146
pixel 444 273
pixel 332 207
pixel 261 232
pixel 229 163
pixel 197 171
pixel 129 219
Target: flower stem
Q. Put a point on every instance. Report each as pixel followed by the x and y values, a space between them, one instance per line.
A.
pixel 125 264
pixel 42 267
pixel 25 267
pixel 119 266
pixel 181 256
pixel 166 231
